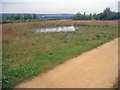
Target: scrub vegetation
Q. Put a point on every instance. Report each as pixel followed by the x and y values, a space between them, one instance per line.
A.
pixel 27 53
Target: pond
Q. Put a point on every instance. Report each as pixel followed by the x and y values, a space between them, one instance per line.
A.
pixel 56 29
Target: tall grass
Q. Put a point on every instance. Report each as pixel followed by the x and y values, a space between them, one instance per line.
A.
pixel 27 54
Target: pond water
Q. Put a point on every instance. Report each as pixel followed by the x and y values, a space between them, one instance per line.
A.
pixel 56 29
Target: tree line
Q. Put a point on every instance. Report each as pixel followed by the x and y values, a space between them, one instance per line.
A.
pixel 18 18
pixel 107 14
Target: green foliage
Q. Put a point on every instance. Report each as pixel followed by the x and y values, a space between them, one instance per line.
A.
pixel 80 16
pixel 107 14
pixel 27 16
pixel 19 18
pixel 0 19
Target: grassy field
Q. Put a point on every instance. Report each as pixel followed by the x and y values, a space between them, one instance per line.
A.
pixel 0 19
pixel 27 54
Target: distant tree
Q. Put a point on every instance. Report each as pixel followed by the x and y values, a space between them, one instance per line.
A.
pixel 107 14
pixel 113 16
pixel 11 18
pixel 34 16
pixel 94 16
pixel 99 16
pixel 78 16
pixel 27 16
pixel 90 16
pixel 84 16
pixel 17 17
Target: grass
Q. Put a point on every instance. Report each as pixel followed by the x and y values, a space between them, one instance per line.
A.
pixel 0 19
pixel 27 54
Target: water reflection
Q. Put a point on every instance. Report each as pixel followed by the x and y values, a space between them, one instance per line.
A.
pixel 56 29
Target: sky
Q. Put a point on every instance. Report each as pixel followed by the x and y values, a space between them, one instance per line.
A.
pixel 57 6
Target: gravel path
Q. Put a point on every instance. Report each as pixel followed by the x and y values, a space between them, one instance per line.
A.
pixel 97 68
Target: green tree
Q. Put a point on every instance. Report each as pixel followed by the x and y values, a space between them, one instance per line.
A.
pixel 107 14
pixel 78 16
pixel 90 16
pixel 27 16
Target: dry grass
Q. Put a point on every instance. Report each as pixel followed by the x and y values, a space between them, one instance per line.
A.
pixel 26 54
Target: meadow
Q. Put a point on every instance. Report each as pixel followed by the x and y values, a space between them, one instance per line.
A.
pixel 27 53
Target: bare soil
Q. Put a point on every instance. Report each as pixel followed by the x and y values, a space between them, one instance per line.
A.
pixel 97 68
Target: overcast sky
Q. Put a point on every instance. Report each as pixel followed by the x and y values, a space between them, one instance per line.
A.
pixel 57 6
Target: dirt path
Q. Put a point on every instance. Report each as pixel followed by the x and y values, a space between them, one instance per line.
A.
pixel 96 68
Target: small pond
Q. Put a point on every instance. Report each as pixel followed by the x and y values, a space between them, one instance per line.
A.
pixel 56 29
